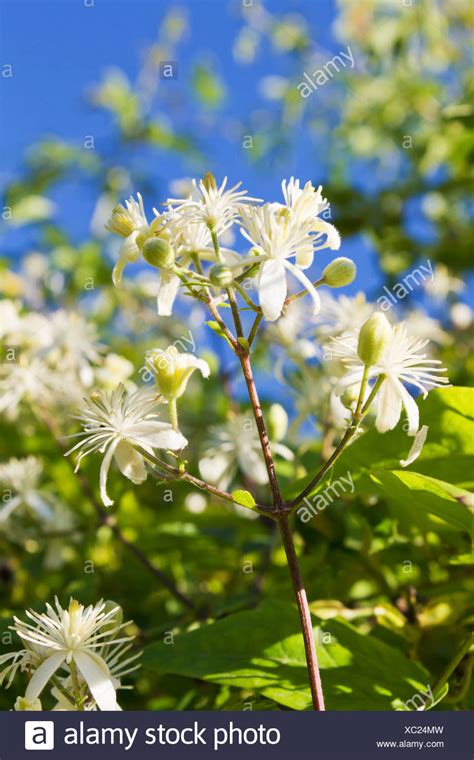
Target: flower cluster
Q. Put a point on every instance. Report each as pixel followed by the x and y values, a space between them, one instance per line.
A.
pixel 50 360
pixel 283 239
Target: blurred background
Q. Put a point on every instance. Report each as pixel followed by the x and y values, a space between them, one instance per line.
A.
pixel 103 98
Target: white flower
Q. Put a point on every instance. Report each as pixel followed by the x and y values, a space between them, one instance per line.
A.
pixel 129 222
pixel 443 283
pixel 128 219
pixel 21 476
pixel 342 314
pixel 172 370
pixel 30 381
pixel 236 446
pixel 186 238
pixel 214 206
pixel 71 342
pixel 305 203
pixel 420 325
pixel 74 640
pixel 291 331
pixel 114 370
pixel 278 233
pixel 116 422
pixel 401 363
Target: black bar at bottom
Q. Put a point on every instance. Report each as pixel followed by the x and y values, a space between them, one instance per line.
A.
pixel 249 735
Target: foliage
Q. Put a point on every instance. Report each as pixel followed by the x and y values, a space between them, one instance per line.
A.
pixel 387 566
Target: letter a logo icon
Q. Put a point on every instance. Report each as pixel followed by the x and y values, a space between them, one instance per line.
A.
pixel 39 734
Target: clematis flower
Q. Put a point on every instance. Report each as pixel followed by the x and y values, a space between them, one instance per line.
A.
pixel 235 446
pixel 22 477
pixel 277 236
pixel 305 204
pixel 172 370
pixel 129 222
pixel 116 422
pixel 71 643
pixel 212 205
pixel 401 363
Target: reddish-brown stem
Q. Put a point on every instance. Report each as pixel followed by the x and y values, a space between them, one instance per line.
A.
pixel 287 538
pixel 262 431
pixel 304 613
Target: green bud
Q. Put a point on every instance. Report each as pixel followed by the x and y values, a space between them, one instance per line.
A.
pixel 221 276
pixel 277 422
pixel 340 272
pixel 209 181
pixel 159 253
pixel 373 338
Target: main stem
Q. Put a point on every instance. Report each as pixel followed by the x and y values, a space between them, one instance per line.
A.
pixel 287 538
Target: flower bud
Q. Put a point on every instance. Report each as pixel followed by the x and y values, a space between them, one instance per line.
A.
pixel 277 422
pixel 373 338
pixel 221 276
pixel 173 369
pixel 22 703
pixel 159 253
pixel 209 181
pixel 340 272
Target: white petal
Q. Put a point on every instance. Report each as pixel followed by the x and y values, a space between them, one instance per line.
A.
pixel 130 462
pixel 307 284
pixel 417 446
pixel 9 507
pixel 252 465
pixel 129 250
pixel 411 409
pixel 283 451
pixel 389 406
pixel 117 272
pixel 333 239
pixel 40 505
pixel 353 377
pixel 217 469
pixel 305 254
pixel 168 289
pixel 42 675
pixel 98 679
pixel 104 471
pixel 157 435
pixel 272 289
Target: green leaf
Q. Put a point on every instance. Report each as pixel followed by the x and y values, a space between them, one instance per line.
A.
pixel 262 650
pixel 244 343
pixel 413 495
pixel 244 498
pixel 215 326
pixel 447 453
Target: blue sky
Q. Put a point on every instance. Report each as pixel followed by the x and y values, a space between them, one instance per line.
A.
pixel 59 48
